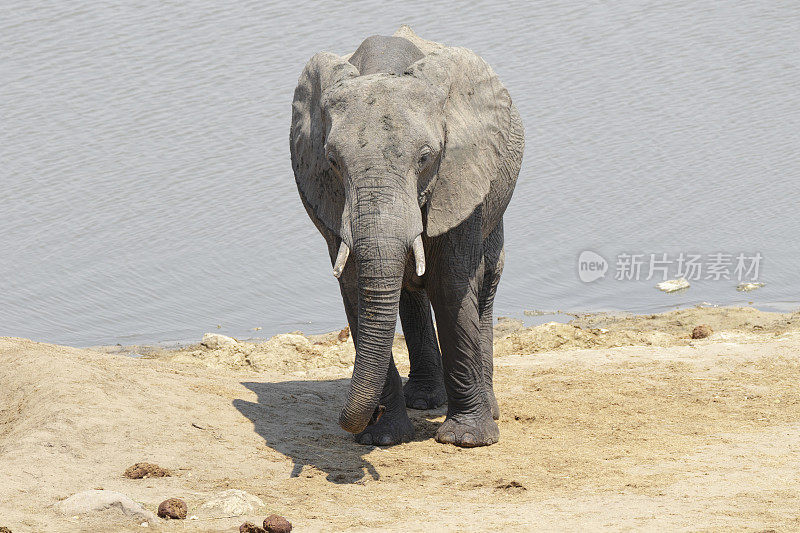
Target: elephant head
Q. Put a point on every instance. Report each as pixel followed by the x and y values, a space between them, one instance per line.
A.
pixel 380 159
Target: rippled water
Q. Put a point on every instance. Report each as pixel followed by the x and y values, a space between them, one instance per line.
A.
pixel 147 192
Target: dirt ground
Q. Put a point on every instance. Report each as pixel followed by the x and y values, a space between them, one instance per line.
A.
pixel 608 423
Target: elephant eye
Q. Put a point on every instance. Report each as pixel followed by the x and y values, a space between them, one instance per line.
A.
pixel 424 157
pixel 332 161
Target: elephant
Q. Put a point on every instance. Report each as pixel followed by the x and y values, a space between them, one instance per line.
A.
pixel 405 154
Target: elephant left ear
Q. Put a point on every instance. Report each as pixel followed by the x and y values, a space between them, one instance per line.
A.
pixel 483 134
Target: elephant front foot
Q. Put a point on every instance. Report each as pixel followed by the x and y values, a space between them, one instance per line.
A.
pixel 468 433
pixel 422 395
pixel 392 428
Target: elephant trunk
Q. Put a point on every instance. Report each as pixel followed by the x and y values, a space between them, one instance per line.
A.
pixel 382 241
pixel 378 302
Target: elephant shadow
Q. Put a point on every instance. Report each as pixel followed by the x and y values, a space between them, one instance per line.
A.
pixel 300 420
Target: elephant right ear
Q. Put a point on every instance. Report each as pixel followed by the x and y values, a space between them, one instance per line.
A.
pixel 321 191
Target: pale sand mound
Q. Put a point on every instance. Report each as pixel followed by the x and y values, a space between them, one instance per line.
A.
pixel 698 435
pixel 667 329
pixel 286 353
pixel 317 355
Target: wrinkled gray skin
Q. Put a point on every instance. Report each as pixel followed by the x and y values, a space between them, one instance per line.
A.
pixel 411 138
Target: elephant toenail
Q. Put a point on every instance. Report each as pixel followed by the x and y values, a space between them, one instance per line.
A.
pixel 447 438
pixel 468 439
pixel 366 438
pixel 384 440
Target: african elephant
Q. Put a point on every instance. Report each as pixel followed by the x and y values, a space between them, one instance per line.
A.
pixel 405 155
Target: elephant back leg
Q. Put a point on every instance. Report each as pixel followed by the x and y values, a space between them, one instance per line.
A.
pixel 425 386
pixel 493 259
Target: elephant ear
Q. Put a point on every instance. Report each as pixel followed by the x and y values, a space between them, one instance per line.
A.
pixel 321 191
pixel 480 133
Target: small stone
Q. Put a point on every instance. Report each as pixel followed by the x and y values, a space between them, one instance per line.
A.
pixel 145 470
pixel 100 500
pixel 701 332
pixel 344 334
pixel 174 508
pixel 249 527
pixel 747 287
pixel 512 486
pixel 537 312
pixel 277 524
pixel 214 341
pixel 673 285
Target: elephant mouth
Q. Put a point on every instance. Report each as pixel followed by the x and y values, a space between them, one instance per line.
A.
pixel 376 415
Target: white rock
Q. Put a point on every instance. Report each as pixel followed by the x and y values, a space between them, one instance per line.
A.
pixel 747 287
pixel 290 340
pixel 215 341
pixel 232 502
pixel 100 500
pixel 537 312
pixel 673 285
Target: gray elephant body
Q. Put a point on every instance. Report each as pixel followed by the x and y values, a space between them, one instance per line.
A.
pixel 408 141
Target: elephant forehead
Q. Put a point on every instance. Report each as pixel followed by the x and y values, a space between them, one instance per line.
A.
pixel 394 115
pixel 383 94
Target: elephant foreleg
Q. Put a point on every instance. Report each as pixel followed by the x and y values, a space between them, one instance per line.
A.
pixel 392 425
pixel 425 386
pixel 457 275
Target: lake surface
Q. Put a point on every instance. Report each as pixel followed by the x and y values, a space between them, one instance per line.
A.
pixel 147 192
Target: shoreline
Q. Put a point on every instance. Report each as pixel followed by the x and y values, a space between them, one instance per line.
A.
pixel 530 317
pixel 626 329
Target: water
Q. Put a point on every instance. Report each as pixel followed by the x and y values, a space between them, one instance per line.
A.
pixel 147 192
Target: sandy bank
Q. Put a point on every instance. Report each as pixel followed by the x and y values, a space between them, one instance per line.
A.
pixel 607 423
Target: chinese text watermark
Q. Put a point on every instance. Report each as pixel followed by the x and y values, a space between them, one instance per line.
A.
pixel 715 266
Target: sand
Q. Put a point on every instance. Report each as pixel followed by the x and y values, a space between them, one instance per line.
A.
pixel 608 423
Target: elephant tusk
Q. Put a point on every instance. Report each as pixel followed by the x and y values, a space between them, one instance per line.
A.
pixel 419 255
pixel 341 259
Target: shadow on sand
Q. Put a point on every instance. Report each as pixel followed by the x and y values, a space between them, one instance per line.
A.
pixel 300 420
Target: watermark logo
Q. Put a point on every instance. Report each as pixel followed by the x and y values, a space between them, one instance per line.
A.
pixel 591 266
pixel 662 266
